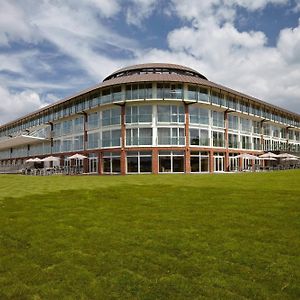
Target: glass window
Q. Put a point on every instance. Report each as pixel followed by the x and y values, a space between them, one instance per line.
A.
pixel 199 137
pixel 171 161
pixel 93 120
pixel 94 140
pixel 171 136
pixel 78 142
pixel 245 125
pixel 111 138
pixel 139 114
pixel 139 162
pixel 78 124
pixel 111 162
pixel 138 136
pixel 233 141
pixel 256 127
pixel 233 122
pixel 106 96
pixel 199 162
pixel 67 127
pixel 198 115
pixel 111 116
pixel 218 119
pixel 117 93
pixel 170 113
pixel 138 91
pixel 246 144
pixel 218 139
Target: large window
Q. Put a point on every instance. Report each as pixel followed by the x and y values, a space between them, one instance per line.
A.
pixel 233 141
pixel 256 143
pixel 78 124
pixel 138 136
pixel 197 93
pixel 233 122
pixel 78 143
pixel 170 136
pixel 111 138
pixel 246 142
pixel 218 139
pixel 256 127
pixel 94 140
pixel 138 91
pixel 169 91
pixel 171 161
pixel 93 120
pixel 67 127
pixel 139 162
pixel 170 113
pixel 138 114
pixel 198 115
pixel 245 125
pixel 117 94
pixel 199 137
pixel 218 119
pixel 111 162
pixel 111 116
pixel 199 162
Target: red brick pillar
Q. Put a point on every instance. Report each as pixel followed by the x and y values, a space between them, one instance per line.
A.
pixel 240 163
pixel 123 137
pixel 187 140
pixel 211 161
pixel 226 142
pixel 155 161
pixel 85 165
pixel 100 163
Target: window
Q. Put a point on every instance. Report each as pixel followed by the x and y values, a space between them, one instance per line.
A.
pixel 256 144
pixel 93 120
pixel 199 162
pixel 66 145
pixel 171 161
pixel 94 140
pixel 218 119
pixel 198 115
pixel 67 127
pixel 197 93
pixel 233 141
pixel 139 114
pixel 218 139
pixel 246 142
pixel 111 138
pixel 139 162
pixel 256 127
pixel 245 125
pixel 139 91
pixel 78 124
pixel 170 113
pixel 111 162
pixel 231 102
pixel 111 116
pixel 56 129
pixel 117 93
pixel 199 137
pixel 171 136
pixel 169 91
pixel 233 122
pixel 138 136
pixel 106 96
pixel 78 143
pixel 266 129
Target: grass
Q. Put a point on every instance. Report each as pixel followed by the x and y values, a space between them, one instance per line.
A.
pixel 230 236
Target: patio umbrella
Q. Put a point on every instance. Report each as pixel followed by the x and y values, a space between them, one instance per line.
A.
pixel 286 155
pixel 268 155
pixel 29 160
pixel 247 156
pixel 291 159
pixel 51 158
pixel 77 156
pixel 267 158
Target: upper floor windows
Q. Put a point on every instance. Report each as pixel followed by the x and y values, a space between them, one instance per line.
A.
pixel 199 115
pixel 138 91
pixel 169 91
pixel 218 119
pixel 170 113
pixel 139 114
pixel 197 93
pixel 111 116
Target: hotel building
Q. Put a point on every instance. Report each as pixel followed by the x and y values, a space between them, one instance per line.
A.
pixel 152 118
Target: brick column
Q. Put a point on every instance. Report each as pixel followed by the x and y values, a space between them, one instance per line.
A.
pixel 211 161
pixel 155 161
pixel 226 142
pixel 187 140
pixel 123 137
pixel 100 163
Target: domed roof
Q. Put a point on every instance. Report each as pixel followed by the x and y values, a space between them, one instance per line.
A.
pixel 155 68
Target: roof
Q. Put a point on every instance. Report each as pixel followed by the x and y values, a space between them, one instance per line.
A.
pixel 139 67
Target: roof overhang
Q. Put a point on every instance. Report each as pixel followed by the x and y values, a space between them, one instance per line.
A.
pixel 20 140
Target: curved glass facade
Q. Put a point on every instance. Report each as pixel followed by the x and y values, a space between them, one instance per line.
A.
pixel 153 127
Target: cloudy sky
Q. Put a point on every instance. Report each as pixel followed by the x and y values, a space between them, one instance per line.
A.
pixel 52 48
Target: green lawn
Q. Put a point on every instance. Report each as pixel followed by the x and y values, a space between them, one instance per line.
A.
pixel 229 236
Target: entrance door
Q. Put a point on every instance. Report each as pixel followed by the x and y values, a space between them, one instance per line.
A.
pixel 219 164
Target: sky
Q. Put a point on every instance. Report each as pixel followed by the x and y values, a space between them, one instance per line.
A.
pixel 50 49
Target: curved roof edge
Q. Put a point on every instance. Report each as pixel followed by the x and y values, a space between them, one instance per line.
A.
pixel 153 66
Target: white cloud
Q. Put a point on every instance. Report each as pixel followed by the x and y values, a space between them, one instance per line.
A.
pixel 139 10
pixel 14 105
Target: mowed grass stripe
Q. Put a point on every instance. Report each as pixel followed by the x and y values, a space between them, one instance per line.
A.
pixel 233 236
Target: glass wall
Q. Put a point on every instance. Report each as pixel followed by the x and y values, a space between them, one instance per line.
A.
pixel 139 162
pixel 199 137
pixel 199 162
pixel 111 138
pixel 198 115
pixel 170 114
pixel 111 162
pixel 171 161
pixel 138 91
pixel 170 136
pixel 136 114
pixel 138 136
pixel 169 91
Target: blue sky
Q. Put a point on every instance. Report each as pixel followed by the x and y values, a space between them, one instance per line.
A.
pixel 51 49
